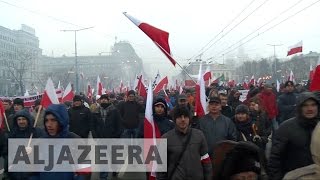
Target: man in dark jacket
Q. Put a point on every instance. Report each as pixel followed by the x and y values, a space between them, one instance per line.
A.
pixel 226 110
pixel 56 122
pixel 18 104
pixel 80 118
pixel 195 162
pixel 106 123
pixel 287 102
pixel 215 126
pixel 23 128
pixel 291 144
pixel 129 111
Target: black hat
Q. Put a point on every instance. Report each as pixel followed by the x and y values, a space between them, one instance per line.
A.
pixel 77 98
pixel 214 99
pixel 18 101
pixel 112 95
pixel 242 109
pixel 131 92
pixel 288 83
pixel 104 96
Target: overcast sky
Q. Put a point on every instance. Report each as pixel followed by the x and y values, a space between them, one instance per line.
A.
pixel 191 24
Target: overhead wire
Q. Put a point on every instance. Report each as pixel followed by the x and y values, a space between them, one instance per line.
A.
pixel 236 17
pixel 289 17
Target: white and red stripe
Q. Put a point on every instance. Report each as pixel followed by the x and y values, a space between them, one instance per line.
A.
pixel 158 36
pixel 205 159
pixel 68 94
pixel 49 96
pixel 295 49
pixel 200 104
pixel 99 86
pixel 161 85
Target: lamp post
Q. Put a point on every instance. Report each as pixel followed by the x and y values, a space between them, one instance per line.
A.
pixel 75 53
pixel 274 56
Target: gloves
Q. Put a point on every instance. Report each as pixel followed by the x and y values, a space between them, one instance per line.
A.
pixel 28 150
pixel 256 138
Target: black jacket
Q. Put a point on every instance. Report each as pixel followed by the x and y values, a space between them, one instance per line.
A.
pixel 287 106
pixel 227 111
pixel 291 143
pixel 80 121
pixel 129 112
pixel 106 126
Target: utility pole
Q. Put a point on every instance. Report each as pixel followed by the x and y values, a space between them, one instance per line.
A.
pixel 76 55
pixel 274 57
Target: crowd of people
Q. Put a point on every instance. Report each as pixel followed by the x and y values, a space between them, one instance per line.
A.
pixel 229 142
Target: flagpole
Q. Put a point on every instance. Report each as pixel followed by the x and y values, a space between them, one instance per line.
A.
pixel 176 61
pixel 35 124
pixel 6 120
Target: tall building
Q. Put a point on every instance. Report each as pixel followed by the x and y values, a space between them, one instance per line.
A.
pixel 19 52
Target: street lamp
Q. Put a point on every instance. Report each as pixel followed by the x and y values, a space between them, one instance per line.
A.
pixel 75 53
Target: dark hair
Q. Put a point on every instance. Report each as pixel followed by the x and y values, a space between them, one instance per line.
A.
pixel 223 94
pixel 181 111
pixel 288 82
pixel 7 100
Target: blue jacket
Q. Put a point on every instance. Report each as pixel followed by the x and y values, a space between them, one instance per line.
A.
pixel 61 114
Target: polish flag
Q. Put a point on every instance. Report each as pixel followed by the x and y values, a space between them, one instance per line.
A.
pixel 151 130
pixel 68 94
pixel 161 85
pixel 141 88
pixel 99 86
pixel 245 85
pixel 49 96
pixel 295 49
pixel 2 116
pixel 315 83
pixel 180 90
pixel 207 74
pixel 201 104
pixel 158 36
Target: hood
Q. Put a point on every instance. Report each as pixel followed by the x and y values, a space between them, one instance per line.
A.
pixel 303 98
pixel 160 100
pixel 23 113
pixel 61 113
pixel 315 145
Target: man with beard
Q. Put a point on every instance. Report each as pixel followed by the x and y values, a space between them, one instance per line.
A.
pixel 291 144
pixel 106 123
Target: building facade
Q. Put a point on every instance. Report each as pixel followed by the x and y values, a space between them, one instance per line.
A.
pixel 19 53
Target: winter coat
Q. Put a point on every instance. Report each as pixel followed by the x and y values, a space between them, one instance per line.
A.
pixel 195 162
pixel 287 106
pixel 216 130
pixel 106 123
pixel 291 143
pixel 129 112
pixel 227 111
pixel 80 121
pixel 16 132
pixel 311 171
pixel 61 114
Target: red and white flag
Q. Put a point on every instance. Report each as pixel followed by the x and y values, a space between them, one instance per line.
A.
pixel 161 85
pixel 49 96
pixel 311 73
pixel 68 94
pixel 295 49
pixel 245 85
pixel 158 36
pixel 315 83
pixel 89 91
pixel 141 88
pixel 99 87
pixel 151 130
pixel 252 81
pixel 200 104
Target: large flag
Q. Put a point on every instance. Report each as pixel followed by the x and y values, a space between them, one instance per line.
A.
pixel 161 85
pixel 151 130
pixel 68 94
pixel 200 105
pixel 295 49
pixel 49 96
pixel 158 36
pixel 99 87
